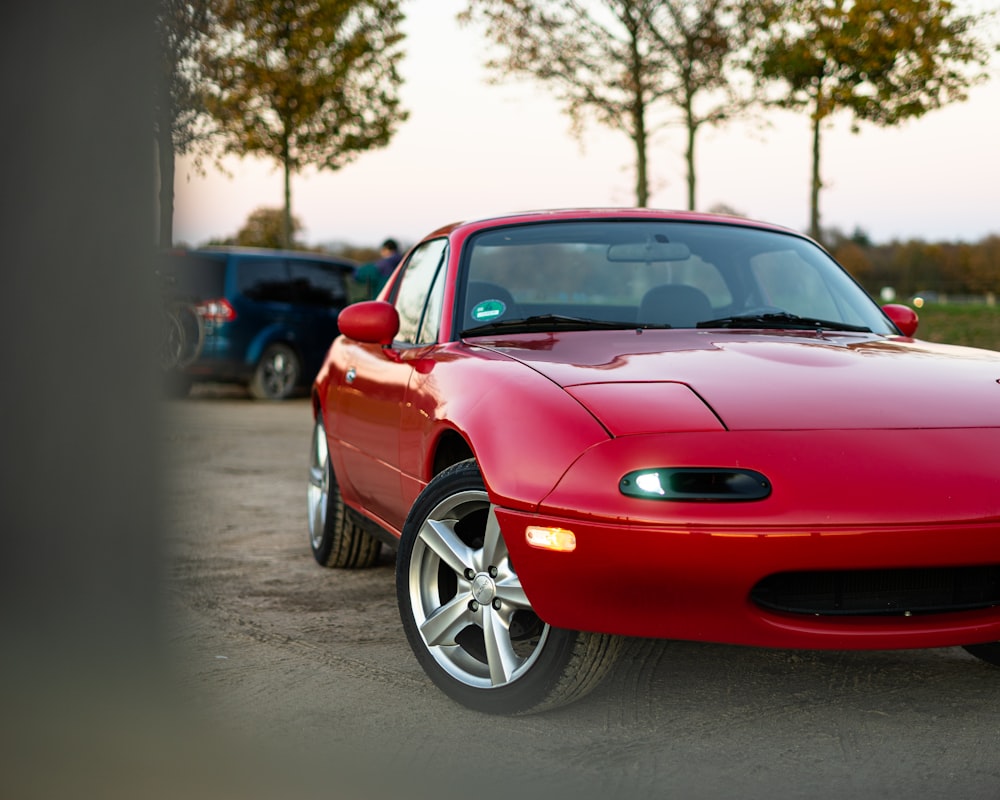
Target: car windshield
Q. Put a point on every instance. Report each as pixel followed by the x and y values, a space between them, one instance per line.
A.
pixel 655 274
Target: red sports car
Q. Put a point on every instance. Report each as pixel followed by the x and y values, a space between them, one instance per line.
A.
pixel 577 425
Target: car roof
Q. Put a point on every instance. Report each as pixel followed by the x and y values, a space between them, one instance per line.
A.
pixel 609 213
pixel 264 252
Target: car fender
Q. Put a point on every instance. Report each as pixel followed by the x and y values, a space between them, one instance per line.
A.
pixel 504 410
pixel 277 333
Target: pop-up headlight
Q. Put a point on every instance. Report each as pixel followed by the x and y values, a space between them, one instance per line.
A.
pixel 716 484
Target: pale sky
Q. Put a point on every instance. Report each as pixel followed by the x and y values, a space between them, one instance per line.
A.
pixel 470 149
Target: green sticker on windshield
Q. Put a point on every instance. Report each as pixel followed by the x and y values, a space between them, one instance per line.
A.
pixel 488 310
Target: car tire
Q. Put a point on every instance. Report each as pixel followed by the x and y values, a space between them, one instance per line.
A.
pixel 989 652
pixel 334 539
pixel 467 618
pixel 277 374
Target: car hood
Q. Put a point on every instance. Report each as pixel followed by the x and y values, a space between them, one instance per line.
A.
pixel 765 380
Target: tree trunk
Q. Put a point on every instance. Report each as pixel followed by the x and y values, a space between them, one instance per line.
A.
pixel 639 124
pixel 814 229
pixel 639 138
pixel 689 156
pixel 641 184
pixel 286 223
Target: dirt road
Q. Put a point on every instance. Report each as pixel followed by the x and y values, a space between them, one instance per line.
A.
pixel 310 666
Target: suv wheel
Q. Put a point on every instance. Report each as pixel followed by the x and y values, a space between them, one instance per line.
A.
pixel 277 374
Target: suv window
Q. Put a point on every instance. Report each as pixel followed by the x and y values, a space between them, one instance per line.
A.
pixel 265 280
pixel 316 284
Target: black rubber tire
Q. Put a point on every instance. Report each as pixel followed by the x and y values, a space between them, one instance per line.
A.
pixel 277 374
pixel 194 332
pixel 172 337
pixel 334 539
pixel 561 667
pixel 989 652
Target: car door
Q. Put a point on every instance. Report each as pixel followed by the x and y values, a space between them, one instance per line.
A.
pixel 369 403
pixel 262 301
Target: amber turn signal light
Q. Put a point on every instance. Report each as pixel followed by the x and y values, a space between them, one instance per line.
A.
pixel 559 540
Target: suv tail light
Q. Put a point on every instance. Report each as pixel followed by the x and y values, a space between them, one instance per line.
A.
pixel 216 310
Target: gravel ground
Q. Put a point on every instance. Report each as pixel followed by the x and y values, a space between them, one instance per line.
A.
pixel 311 665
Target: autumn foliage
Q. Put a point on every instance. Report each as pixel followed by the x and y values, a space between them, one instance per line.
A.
pixel 915 266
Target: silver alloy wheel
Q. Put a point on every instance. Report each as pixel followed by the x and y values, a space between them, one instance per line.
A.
pixel 467 601
pixel 318 493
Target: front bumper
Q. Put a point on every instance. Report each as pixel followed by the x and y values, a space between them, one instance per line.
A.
pixel 850 501
pixel 695 584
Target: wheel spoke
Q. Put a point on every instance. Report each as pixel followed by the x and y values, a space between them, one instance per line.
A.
pixel 316 522
pixel 316 475
pixel 441 627
pixel 500 653
pixel 511 593
pixel 320 451
pixel 494 548
pixel 439 535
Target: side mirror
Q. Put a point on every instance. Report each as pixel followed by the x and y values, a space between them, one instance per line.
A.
pixel 371 321
pixel 903 317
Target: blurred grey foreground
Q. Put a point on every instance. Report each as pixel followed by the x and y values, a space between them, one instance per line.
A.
pixel 87 709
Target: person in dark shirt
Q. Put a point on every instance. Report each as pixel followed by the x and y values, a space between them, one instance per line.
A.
pixel 375 274
pixel 390 258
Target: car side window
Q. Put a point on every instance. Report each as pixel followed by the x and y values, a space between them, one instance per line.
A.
pixel 264 280
pixel 420 294
pixel 317 284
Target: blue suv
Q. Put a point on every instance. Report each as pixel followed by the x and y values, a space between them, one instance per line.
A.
pixel 269 315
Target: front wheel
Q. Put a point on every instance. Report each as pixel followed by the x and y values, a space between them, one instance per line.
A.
pixel 989 652
pixel 467 617
pixel 277 373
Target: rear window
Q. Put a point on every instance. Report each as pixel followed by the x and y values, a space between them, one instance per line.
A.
pixel 193 276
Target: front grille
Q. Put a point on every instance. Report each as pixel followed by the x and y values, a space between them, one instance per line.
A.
pixel 934 590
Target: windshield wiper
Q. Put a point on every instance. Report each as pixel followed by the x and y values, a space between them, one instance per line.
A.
pixel 550 322
pixel 781 320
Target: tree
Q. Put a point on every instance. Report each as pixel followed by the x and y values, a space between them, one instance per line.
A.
pixel 178 100
pixel 881 62
pixel 700 42
pixel 305 82
pixel 619 59
pixel 854 258
pixel 265 227
pixel 976 267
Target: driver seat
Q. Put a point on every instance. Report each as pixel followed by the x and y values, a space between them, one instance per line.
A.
pixel 674 304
